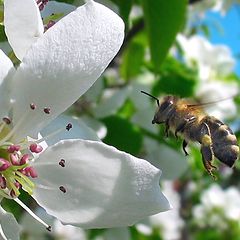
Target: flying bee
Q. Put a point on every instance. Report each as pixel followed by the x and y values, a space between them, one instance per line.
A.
pixel 191 123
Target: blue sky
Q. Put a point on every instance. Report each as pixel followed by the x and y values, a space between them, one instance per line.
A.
pixel 226 30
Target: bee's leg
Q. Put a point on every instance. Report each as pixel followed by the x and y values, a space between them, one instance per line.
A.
pixel 207 157
pixel 182 126
pixel 207 152
pixel 166 129
pixel 184 144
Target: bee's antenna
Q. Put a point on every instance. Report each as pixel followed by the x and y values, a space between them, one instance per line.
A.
pixel 151 97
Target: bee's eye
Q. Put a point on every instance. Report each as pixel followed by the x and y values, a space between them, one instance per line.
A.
pixel 165 105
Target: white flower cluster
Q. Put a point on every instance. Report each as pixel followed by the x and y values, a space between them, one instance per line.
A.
pixel 218 207
pixel 214 63
pixel 221 6
pixel 168 224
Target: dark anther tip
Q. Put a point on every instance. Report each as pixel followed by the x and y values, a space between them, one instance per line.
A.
pixel 49 228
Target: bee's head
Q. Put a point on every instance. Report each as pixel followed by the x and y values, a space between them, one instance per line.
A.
pixel 165 108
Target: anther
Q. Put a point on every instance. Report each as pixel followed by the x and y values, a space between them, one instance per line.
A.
pixel 13 194
pixel 3 183
pixel 35 148
pixel 49 228
pixel 7 120
pixel 24 159
pixel 62 163
pixel 13 148
pixel 31 172
pixel 33 106
pixel 4 164
pixel 63 189
pixel 47 110
pixel 69 126
pixel 49 24
pixel 14 159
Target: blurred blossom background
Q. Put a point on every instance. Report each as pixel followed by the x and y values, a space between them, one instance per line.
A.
pixel 185 48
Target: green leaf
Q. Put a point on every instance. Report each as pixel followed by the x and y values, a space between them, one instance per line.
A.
pixel 176 79
pixel 123 135
pixel 132 60
pixel 163 20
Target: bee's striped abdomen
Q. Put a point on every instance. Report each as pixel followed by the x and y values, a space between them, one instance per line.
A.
pixel 224 142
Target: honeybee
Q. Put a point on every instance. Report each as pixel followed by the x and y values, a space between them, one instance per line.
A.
pixel 191 123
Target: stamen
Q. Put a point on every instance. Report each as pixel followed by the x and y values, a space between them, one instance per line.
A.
pixel 35 148
pixel 63 189
pixel 14 159
pixel 24 159
pixel 69 126
pixel 51 135
pixel 7 120
pixel 48 25
pixel 62 163
pixel 31 172
pixel 47 110
pixel 17 125
pixel 48 227
pixel 13 148
pixel 4 164
pixel 33 106
pixel 3 183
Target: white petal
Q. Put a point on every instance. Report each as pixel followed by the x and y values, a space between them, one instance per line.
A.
pixel 6 72
pixel 8 225
pixel 23 24
pixel 104 187
pixel 79 130
pixel 5 65
pixel 65 62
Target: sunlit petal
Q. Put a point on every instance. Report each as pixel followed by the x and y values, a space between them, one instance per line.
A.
pixel 53 75
pixel 6 72
pixel 104 187
pixel 23 24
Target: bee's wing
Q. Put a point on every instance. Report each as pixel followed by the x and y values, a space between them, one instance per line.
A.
pixel 199 105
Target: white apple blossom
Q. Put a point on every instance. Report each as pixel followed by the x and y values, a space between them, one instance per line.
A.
pixel 199 9
pixel 214 63
pixel 212 60
pixel 223 6
pixel 218 206
pixel 84 183
pixel 169 224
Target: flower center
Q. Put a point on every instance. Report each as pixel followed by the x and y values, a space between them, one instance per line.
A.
pixel 15 159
